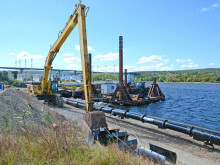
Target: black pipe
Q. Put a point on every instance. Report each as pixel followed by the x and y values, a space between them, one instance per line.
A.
pixel 135 116
pixel 118 112
pixel 189 125
pixel 156 120
pixel 198 133
pixel 107 110
pixel 98 108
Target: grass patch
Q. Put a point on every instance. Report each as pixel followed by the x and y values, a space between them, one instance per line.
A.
pixel 62 146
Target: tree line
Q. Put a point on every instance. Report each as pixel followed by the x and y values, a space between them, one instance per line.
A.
pixel 180 77
pixel 199 75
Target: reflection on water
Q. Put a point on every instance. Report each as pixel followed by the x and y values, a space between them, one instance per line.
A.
pixel 197 104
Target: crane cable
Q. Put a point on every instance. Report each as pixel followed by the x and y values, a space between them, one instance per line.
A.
pixel 87 10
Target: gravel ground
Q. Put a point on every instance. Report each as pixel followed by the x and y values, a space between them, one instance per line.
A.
pixel 188 150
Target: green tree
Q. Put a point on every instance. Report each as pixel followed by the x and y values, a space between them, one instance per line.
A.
pixel 135 79
pixel 4 76
pixel 15 73
pixel 218 79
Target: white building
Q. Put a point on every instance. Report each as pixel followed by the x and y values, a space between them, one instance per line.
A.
pixel 77 78
pixel 130 78
pixel 10 76
pixel 108 88
pixel 27 77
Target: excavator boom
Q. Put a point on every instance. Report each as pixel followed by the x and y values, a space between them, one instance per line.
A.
pixel 78 17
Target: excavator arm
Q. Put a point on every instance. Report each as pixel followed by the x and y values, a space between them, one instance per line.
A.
pixel 78 17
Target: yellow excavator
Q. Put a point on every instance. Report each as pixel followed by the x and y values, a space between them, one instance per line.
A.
pixel 47 90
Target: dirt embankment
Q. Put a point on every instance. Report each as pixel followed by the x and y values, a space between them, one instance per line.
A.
pixel 19 111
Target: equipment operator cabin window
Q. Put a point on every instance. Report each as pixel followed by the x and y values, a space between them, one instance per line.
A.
pixel 54 87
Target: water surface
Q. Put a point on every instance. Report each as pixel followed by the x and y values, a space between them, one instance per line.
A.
pixel 193 103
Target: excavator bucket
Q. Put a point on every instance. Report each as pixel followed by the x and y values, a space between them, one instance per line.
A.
pixel 95 120
pixel 170 155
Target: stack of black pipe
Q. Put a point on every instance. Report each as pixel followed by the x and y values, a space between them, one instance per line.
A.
pixel 198 133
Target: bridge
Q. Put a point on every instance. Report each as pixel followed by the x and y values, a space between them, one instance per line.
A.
pixel 39 69
pixel 21 69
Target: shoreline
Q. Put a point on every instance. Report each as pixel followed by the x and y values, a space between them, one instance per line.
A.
pixel 186 82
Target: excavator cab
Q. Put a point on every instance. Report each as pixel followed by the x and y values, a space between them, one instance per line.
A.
pixel 54 87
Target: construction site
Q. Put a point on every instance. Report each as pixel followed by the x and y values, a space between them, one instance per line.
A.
pixel 87 122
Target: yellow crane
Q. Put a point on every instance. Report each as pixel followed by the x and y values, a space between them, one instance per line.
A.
pixel 48 89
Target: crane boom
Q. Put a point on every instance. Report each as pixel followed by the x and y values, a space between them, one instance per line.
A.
pixel 78 17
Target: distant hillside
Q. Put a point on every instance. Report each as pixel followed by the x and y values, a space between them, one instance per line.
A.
pixel 205 70
pixel 193 75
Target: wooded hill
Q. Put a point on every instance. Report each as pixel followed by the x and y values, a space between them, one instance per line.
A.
pixel 194 75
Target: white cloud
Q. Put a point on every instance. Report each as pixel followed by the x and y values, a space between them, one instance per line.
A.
pixel 157 67
pixel 183 60
pixel 77 47
pixel 190 65
pixel 158 63
pixel 205 9
pixel 25 55
pixel 106 68
pixel 215 5
pixel 152 59
pixel 212 64
pixel 172 65
pixel 106 57
pixel 166 60
pixel 68 54
pixel 112 68
pixel 70 60
pixel 11 53
pixel 90 48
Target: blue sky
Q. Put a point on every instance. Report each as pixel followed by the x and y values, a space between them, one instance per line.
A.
pixel 158 34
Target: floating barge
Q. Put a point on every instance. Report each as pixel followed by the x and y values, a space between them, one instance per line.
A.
pixel 153 95
pixel 123 94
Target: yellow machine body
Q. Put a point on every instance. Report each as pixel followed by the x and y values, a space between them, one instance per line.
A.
pixel 78 17
pixel 45 89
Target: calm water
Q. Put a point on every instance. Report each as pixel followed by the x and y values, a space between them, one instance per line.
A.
pixel 197 104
